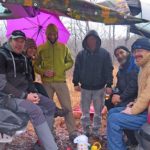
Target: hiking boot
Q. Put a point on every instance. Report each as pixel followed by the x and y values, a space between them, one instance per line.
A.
pixel 60 112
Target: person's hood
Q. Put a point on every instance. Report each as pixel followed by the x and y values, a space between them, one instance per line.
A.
pixel 7 46
pixel 52 28
pixel 129 65
pixel 95 34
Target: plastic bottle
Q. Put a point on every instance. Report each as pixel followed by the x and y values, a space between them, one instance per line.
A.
pixel 82 142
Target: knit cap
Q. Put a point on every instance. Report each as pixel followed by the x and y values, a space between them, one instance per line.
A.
pixel 142 43
pixel 121 47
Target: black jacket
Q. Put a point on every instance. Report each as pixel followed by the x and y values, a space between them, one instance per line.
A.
pixel 93 70
pixel 15 75
pixel 127 81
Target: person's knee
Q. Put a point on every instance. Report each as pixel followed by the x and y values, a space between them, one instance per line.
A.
pixel 35 111
pixel 115 110
pixel 113 122
pixel 49 108
pixel 48 104
pixel 52 105
pixel 112 118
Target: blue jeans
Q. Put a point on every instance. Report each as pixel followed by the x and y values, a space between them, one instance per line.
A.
pixel 117 122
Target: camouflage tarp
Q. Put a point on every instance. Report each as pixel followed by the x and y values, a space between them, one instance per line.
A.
pixel 79 9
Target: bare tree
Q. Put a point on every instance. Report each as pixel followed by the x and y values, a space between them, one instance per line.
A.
pixel 2 32
pixel 111 35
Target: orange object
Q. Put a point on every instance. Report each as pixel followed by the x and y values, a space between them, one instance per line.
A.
pixel 104 111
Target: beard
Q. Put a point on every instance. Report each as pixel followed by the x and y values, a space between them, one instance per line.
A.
pixel 122 61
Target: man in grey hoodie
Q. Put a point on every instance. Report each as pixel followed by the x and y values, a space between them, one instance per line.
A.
pixel 93 73
pixel 16 80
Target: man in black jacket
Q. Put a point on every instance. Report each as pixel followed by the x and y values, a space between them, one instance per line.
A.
pixel 16 79
pixel 126 88
pixel 92 72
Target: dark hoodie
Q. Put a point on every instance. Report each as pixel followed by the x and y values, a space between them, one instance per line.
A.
pixel 15 76
pixel 93 70
pixel 127 81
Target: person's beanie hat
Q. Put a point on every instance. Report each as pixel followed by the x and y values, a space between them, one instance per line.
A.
pixel 30 43
pixel 18 34
pixel 51 28
pixel 142 43
pixel 121 47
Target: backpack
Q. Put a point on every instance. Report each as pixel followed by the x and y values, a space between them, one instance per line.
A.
pixel 10 120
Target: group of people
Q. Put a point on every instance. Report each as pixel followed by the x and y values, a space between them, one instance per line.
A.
pixel 20 58
pixel 128 101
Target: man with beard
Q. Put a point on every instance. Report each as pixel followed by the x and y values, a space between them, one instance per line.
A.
pixel 135 114
pixel 126 87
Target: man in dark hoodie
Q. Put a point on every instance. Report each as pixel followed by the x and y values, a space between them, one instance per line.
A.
pixel 93 73
pixel 126 87
pixel 16 80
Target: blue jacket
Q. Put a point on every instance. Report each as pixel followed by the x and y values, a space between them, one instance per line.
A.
pixel 127 81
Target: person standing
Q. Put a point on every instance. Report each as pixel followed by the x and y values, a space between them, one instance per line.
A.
pixel 52 62
pixel 31 53
pixel 92 75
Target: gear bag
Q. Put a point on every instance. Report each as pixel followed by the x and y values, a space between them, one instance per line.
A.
pixel 10 120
